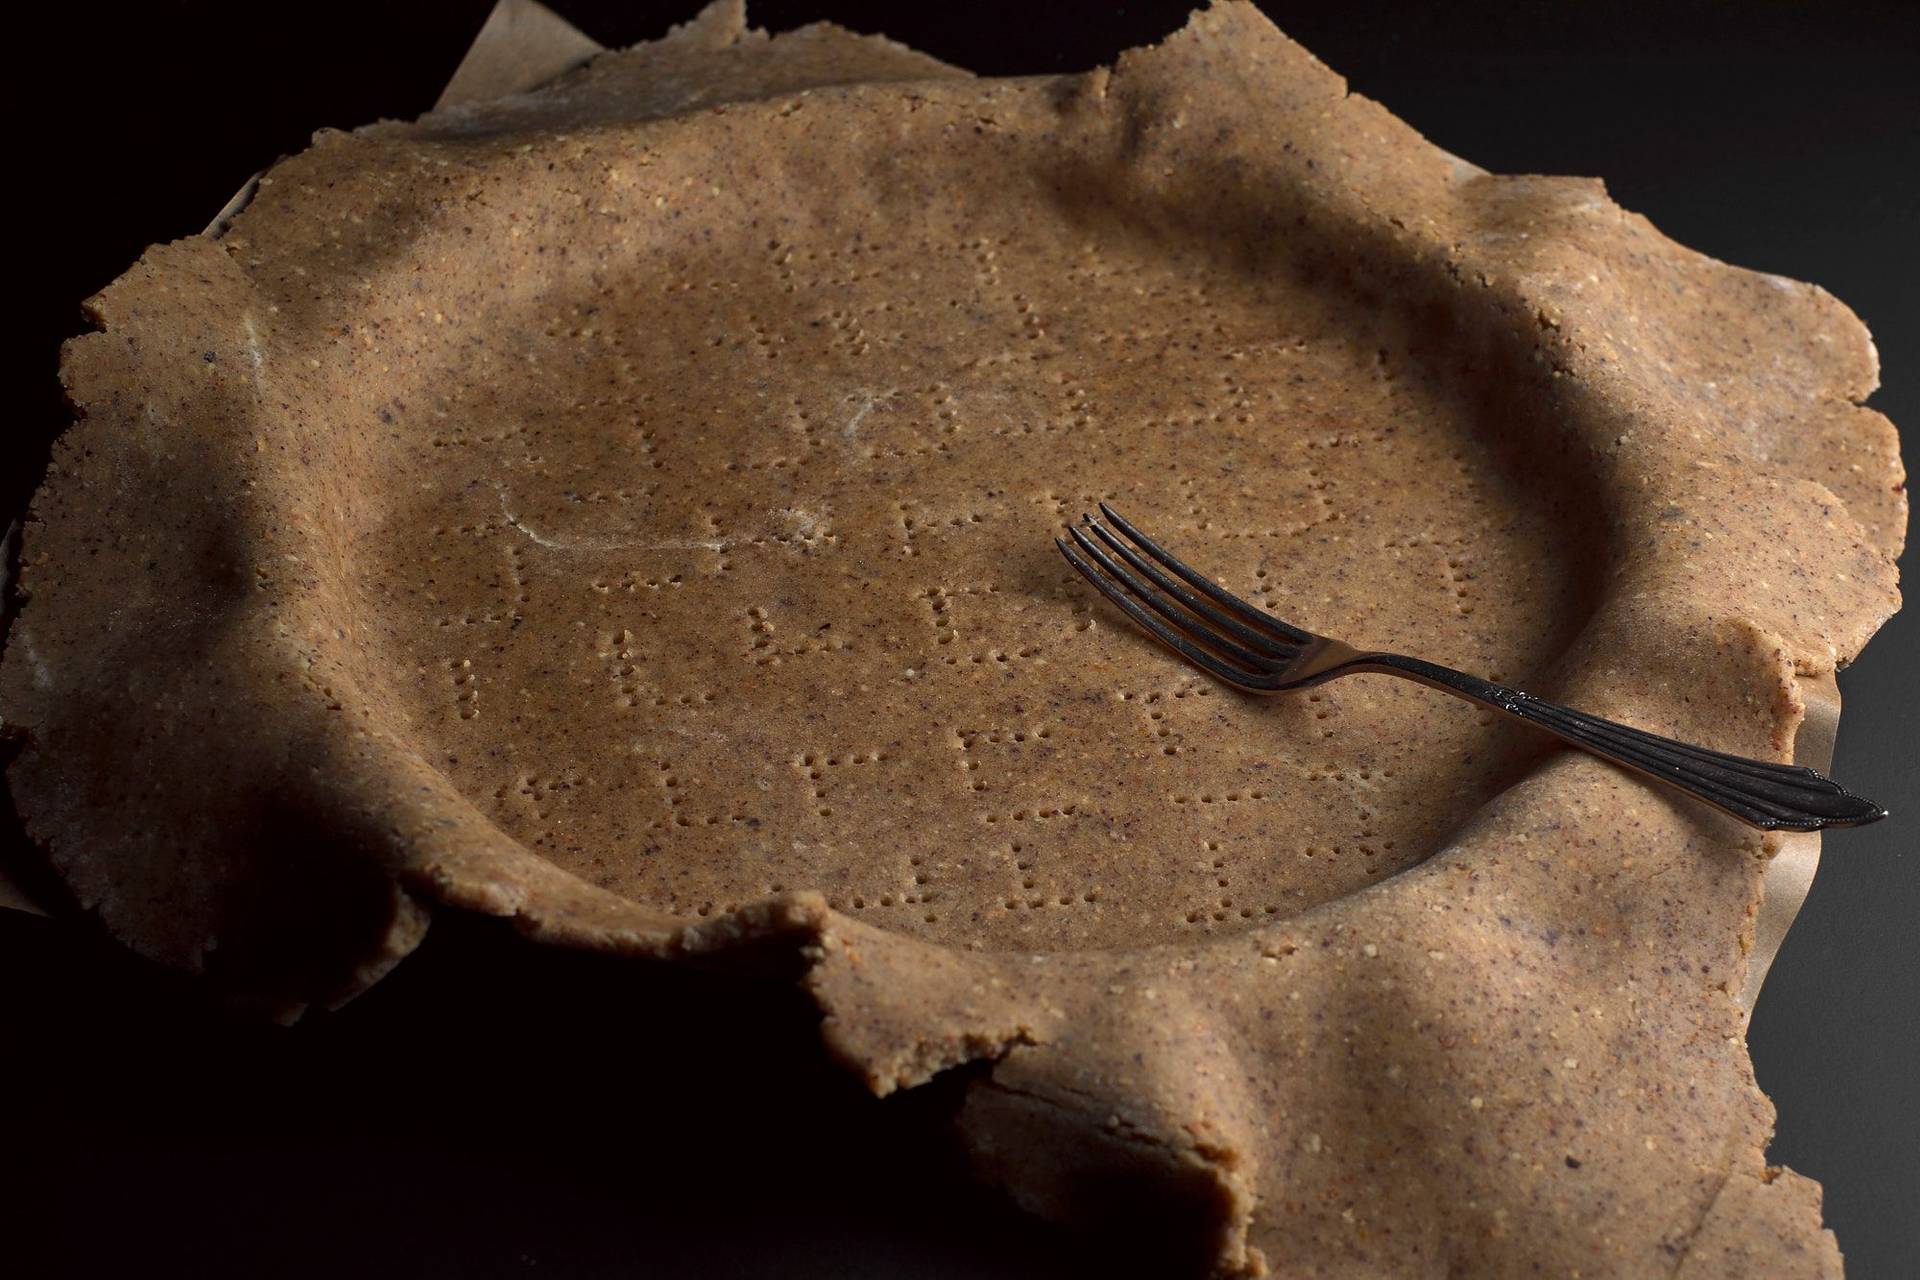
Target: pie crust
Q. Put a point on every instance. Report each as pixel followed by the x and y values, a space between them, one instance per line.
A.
pixel 626 508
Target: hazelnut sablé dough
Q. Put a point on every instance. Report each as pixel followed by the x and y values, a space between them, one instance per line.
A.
pixel 627 508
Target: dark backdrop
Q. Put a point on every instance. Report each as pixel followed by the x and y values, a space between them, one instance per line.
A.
pixel 492 1109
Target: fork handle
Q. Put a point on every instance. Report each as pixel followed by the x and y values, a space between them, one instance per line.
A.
pixel 1760 793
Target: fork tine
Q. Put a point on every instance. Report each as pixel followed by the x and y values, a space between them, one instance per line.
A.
pixel 1183 622
pixel 1259 617
pixel 1260 642
pixel 1160 631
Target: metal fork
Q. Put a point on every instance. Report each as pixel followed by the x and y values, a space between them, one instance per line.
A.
pixel 1250 649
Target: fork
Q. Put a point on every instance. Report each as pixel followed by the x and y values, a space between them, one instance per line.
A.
pixel 1252 650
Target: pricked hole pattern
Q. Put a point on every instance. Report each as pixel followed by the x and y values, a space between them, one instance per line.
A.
pixel 655 697
pixel 808 531
pixel 671 785
pixel 546 796
pixel 779 462
pixel 993 657
pixel 1203 523
pixel 1159 729
pixel 938 601
pixel 1032 893
pixel 919 522
pixel 600 497
pixel 1237 797
pixel 460 438
pixel 1324 709
pixel 1154 697
pixel 767 649
pixel 1043 813
pixel 883 451
pixel 1067 508
pixel 1219 906
pixel 921 894
pixel 481 619
pixel 616 650
pixel 813 447
pixel 632 582
pixel 970 741
pixel 1458 576
pixel 818 766
pixel 517 575
pixel 466 688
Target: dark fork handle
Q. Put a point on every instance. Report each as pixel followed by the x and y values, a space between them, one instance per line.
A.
pixel 1772 797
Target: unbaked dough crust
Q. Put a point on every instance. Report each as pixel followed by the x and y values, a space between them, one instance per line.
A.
pixel 623 507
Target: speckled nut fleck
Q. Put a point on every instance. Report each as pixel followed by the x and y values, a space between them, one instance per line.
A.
pixel 627 507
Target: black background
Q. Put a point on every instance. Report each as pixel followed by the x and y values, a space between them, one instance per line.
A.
pixel 493 1109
